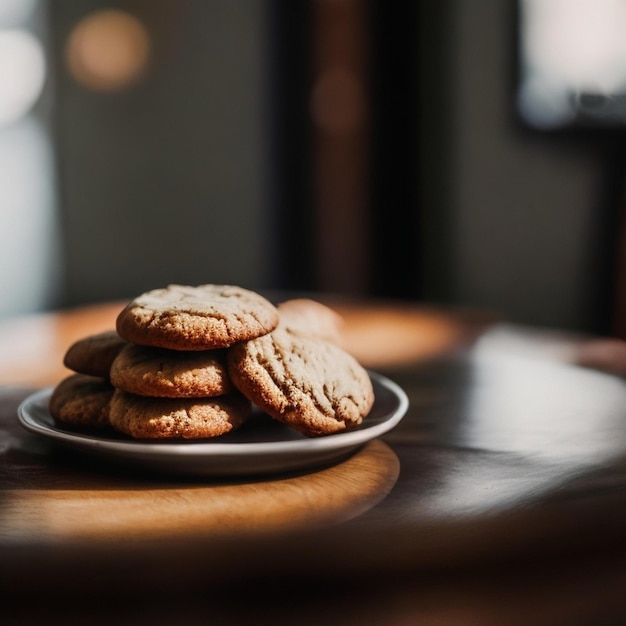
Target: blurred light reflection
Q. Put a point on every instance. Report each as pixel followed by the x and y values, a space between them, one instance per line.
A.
pixel 108 50
pixel 530 422
pixel 22 73
pixel 540 407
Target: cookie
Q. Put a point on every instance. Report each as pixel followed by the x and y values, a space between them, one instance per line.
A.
pixel 162 373
pixel 309 384
pixel 81 401
pixel 177 418
pixel 205 317
pixel 309 317
pixel 94 354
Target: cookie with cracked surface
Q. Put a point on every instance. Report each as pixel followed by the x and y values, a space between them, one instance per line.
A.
pixel 82 402
pixel 309 384
pixel 309 317
pixel 204 317
pixel 177 418
pixel 163 373
pixel 94 354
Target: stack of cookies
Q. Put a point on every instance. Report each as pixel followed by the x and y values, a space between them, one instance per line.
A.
pixel 82 399
pixel 190 362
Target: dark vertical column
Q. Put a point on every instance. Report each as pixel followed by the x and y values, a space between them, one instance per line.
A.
pixel 395 244
pixel 290 38
pixel 340 114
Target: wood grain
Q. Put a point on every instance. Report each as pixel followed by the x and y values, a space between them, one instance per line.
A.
pixel 96 509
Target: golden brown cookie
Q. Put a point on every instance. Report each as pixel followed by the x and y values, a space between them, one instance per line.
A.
pixel 81 401
pixel 205 317
pixel 177 418
pixel 312 318
pixel 162 373
pixel 93 355
pixel 309 384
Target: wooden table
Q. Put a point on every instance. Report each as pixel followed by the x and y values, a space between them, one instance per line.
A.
pixel 500 498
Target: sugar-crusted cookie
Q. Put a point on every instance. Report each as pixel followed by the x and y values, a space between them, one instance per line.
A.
pixel 163 373
pixel 309 317
pixel 81 401
pixel 93 355
pixel 309 384
pixel 177 418
pixel 205 317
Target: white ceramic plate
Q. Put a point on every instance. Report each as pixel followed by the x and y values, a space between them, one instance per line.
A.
pixel 261 446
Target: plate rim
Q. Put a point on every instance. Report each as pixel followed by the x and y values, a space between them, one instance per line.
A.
pixel 328 443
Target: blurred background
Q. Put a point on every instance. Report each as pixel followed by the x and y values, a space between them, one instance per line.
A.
pixel 460 152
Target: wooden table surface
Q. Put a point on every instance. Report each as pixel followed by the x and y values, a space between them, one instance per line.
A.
pixel 500 498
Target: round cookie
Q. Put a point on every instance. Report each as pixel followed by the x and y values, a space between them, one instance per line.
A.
pixel 81 401
pixel 205 317
pixel 174 418
pixel 162 373
pixel 93 355
pixel 312 318
pixel 309 384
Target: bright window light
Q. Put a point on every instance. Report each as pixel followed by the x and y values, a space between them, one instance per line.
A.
pixel 573 55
